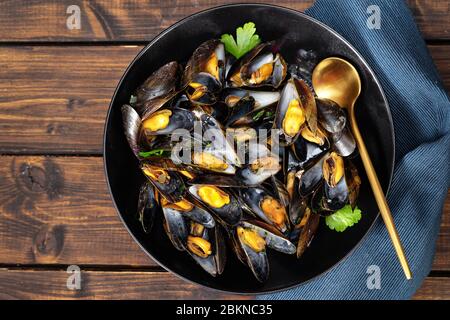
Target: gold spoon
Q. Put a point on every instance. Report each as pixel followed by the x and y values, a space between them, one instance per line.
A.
pixel 338 80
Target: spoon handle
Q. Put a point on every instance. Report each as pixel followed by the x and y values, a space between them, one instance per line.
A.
pixel 379 196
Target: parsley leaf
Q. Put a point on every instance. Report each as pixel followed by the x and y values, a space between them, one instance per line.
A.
pixel 343 218
pixel 246 40
pixel 156 152
pixel 133 99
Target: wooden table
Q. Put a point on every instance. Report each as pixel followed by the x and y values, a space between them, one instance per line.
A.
pixel 55 88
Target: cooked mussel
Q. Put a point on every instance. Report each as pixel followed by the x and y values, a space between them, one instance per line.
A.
pixel 158 89
pixel 261 66
pixel 207 247
pixel 266 206
pixel 191 211
pixel 309 147
pixel 304 231
pixel 166 121
pixel 221 202
pixel 204 73
pixel 311 178
pixel 147 207
pixel 330 115
pixel 168 183
pixel 296 109
pixel 131 124
pixel 176 227
pixel 344 142
pixel 253 237
pixel 336 191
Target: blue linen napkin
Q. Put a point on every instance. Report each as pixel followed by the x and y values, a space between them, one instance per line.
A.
pixel 420 109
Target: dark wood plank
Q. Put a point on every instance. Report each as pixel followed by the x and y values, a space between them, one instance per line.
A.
pixel 434 288
pixel 54 99
pixel 442 255
pixel 105 20
pixel 36 284
pixel 57 210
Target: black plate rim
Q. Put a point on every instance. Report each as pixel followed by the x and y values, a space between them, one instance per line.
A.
pixel 193 16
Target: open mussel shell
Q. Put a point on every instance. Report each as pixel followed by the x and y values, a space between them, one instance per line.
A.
pixel 305 230
pixel 191 211
pixel 330 115
pixel 208 249
pixel 166 121
pixel 231 96
pixel 311 178
pixel 204 74
pixel 131 124
pixel 158 89
pixel 296 109
pixel 176 227
pixel 262 66
pixel 209 58
pixel 266 206
pixel 168 183
pixel 147 207
pixel 335 189
pixel 309 148
pixel 221 202
pixel 213 133
pixel 253 237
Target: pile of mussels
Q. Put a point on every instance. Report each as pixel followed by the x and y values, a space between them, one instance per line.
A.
pixel 272 200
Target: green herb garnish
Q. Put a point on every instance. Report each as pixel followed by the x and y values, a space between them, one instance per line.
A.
pixel 343 218
pixel 156 153
pixel 246 40
pixel 258 115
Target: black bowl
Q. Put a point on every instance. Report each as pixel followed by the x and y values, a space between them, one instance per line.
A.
pixel 177 43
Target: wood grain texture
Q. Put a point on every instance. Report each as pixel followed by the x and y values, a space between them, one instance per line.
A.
pixel 38 284
pixel 57 210
pixel 436 288
pixel 54 99
pixel 104 20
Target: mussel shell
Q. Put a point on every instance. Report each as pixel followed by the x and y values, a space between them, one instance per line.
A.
pixel 308 152
pixel 212 86
pixel 231 96
pixel 180 119
pixel 331 116
pixel 173 189
pixel 239 112
pixel 199 215
pixel 336 197
pixel 197 62
pixel 214 264
pixel 274 238
pixel 344 142
pixel 147 207
pixel 131 124
pixel 230 214
pixel 176 228
pixel 252 198
pixel 306 233
pixel 158 89
pixel 214 132
pixel 261 54
pixel 310 179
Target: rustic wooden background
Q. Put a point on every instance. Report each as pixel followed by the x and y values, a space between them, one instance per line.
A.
pixel 55 88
